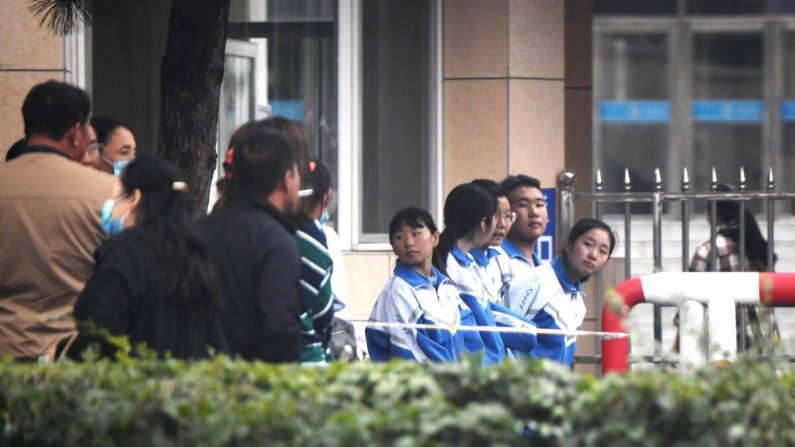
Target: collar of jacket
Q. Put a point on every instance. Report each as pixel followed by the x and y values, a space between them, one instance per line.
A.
pixel 245 199
pixel 44 150
pixel 563 277
pixel 417 279
pixel 513 251
pixel 462 258
pixel 482 257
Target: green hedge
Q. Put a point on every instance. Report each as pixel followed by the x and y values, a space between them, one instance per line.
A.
pixel 225 402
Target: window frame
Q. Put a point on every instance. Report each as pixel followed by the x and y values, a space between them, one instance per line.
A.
pixel 349 105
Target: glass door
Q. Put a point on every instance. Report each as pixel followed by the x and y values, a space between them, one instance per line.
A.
pixel 237 101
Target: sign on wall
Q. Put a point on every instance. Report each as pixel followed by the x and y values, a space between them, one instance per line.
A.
pixel 545 245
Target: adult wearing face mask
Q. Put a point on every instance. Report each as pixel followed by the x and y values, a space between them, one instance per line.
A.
pixel 50 214
pixel 153 280
pixel 116 144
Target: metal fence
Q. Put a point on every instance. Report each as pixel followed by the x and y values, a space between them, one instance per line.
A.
pixel 657 199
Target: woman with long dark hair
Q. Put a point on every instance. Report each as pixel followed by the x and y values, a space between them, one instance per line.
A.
pixel 152 281
pixel 316 266
pixel 727 242
pixel 469 219
pixel 552 296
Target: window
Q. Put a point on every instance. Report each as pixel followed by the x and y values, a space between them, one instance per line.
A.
pixel 634 108
pixel 696 91
pixel 282 60
pixel 397 111
pixel 787 111
pixel 237 102
pixel 361 77
pixel 728 110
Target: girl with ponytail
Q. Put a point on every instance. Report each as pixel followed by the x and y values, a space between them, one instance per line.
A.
pixel 469 219
pixel 153 281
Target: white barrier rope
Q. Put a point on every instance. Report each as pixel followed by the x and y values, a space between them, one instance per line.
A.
pixel 519 330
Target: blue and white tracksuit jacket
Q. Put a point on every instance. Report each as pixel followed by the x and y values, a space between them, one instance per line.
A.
pixel 552 301
pixel 513 265
pixel 410 297
pixel 478 310
pixel 489 272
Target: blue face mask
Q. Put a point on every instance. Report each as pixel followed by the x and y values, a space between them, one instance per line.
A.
pixel 118 167
pixel 110 224
pixel 324 217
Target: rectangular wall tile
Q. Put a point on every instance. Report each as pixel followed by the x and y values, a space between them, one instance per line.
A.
pixel 474 131
pixel 536 38
pixel 25 43
pixel 537 129
pixel 14 86
pixel 474 38
pixel 367 273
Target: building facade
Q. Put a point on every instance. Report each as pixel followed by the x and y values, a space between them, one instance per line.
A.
pixel 405 99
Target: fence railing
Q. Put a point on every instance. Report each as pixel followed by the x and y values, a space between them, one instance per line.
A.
pixel 657 199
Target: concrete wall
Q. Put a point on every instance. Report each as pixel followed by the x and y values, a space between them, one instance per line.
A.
pixel 29 54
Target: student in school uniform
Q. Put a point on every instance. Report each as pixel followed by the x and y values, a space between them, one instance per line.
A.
pixel 552 296
pixel 316 268
pixel 491 258
pixel 469 218
pixel 417 293
pixel 530 207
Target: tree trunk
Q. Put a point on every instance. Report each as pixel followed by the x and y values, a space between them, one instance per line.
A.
pixel 190 74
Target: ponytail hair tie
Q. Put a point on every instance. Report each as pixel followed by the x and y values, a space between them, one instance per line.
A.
pixel 179 186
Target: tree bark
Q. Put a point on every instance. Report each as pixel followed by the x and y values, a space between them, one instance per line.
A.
pixel 191 73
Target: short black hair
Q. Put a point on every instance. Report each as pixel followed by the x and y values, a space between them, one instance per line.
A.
pixel 52 107
pixel 104 127
pixel 414 217
pixel 149 174
pixel 587 224
pixel 262 157
pixel 491 186
pixel 516 181
pixel 319 179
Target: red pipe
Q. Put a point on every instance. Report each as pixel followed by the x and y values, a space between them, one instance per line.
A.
pixel 615 352
pixel 775 289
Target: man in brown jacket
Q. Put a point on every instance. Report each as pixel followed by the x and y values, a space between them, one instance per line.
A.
pixel 50 219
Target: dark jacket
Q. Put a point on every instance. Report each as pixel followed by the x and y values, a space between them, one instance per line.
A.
pixel 258 270
pixel 129 294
